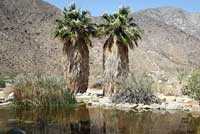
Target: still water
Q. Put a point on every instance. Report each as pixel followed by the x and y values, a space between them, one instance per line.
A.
pixel 99 121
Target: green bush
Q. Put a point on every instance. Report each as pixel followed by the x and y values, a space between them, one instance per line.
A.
pixel 2 83
pixel 137 88
pixel 41 91
pixel 6 78
pixel 192 88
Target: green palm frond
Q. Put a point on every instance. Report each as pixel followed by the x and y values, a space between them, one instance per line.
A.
pixel 124 11
pixel 122 26
pixel 75 25
pixel 106 17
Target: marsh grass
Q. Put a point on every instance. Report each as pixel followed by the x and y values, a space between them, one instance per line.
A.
pixel 40 91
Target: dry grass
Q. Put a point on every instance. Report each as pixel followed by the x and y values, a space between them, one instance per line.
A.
pixel 137 88
pixel 41 91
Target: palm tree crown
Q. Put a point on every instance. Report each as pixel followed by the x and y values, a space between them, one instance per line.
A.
pixel 120 25
pixel 75 25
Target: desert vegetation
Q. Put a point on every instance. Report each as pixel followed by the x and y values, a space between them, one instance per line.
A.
pixel 75 29
pixel 77 73
pixel 192 86
pixel 123 34
pixel 6 78
pixel 41 91
pixel 136 88
pixel 2 83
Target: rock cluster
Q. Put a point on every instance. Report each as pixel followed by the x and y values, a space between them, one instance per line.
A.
pixel 183 103
pixel 6 95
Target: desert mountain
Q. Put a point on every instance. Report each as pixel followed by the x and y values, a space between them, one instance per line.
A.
pixel 170 42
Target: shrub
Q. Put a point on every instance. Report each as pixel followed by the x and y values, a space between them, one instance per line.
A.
pixel 137 88
pixel 6 78
pixel 2 83
pixel 192 88
pixel 41 91
pixel 182 76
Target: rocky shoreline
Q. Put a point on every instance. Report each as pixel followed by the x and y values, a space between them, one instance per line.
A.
pixel 95 98
pixel 6 96
pixel 184 103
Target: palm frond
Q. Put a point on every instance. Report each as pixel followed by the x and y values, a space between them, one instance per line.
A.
pixel 75 24
pixel 106 17
pixel 124 11
pixel 122 26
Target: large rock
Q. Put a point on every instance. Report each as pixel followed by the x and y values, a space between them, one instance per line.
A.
pixel 6 94
pixel 174 106
pixel 155 106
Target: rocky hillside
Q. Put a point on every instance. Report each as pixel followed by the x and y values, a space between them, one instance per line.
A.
pixel 170 42
pixel 188 22
pixel 26 43
pixel 167 45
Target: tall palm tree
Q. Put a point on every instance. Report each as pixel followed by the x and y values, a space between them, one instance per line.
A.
pixel 122 33
pixel 75 29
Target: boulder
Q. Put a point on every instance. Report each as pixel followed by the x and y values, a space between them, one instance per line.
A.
pixel 180 99
pixel 155 106
pixel 174 106
pixel 163 106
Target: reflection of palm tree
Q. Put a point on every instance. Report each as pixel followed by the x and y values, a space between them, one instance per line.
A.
pixel 104 120
pixel 83 125
pixel 41 124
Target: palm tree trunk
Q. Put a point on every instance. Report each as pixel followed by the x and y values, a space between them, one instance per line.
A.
pixel 76 67
pixel 115 64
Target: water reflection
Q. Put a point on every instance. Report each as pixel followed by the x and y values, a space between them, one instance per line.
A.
pixel 99 121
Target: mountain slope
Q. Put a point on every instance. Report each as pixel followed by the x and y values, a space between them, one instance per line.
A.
pixel 25 33
pixel 188 22
pixel 170 41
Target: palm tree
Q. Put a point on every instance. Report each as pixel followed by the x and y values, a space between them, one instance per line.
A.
pixel 75 29
pixel 122 33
